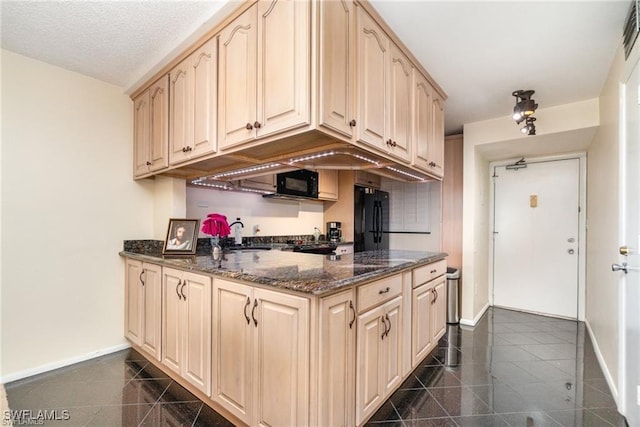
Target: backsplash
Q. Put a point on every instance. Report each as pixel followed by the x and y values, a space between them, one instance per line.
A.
pixel 204 244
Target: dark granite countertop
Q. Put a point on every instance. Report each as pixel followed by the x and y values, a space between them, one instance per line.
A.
pixel 307 273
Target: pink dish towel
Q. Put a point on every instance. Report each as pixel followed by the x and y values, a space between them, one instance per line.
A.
pixel 216 225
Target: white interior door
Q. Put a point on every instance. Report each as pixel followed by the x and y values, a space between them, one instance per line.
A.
pixel 536 224
pixel 630 282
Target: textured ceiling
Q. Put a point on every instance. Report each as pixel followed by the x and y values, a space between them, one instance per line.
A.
pixel 478 51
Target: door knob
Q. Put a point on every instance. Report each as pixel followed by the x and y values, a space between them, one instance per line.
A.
pixel 618 267
pixel 624 250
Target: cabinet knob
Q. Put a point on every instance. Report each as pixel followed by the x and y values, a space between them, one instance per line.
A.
pixel 352 123
pixel 389 142
pixel 148 163
pixel 257 125
pixel 184 149
pixel 249 126
pixel 394 144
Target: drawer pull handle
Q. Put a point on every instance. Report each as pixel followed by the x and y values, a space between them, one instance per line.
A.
pixel 353 310
pixel 384 333
pixel 181 292
pixel 177 286
pixel 435 296
pixel 384 291
pixel 246 316
pixel 388 320
pixel 433 271
pixel 253 312
pixel 141 273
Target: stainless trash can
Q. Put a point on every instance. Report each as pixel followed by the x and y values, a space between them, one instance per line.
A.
pixel 453 295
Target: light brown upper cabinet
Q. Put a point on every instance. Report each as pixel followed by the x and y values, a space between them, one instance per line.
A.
pixel 151 128
pixel 337 63
pixel 436 147
pixel 384 91
pixel 428 110
pixel 323 80
pixel 264 85
pixel 193 102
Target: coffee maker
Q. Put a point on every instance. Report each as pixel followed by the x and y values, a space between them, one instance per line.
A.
pixel 334 233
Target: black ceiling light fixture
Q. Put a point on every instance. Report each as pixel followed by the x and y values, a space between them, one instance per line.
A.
pixel 524 109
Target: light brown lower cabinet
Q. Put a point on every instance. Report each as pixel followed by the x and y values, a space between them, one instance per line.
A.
pixel 268 357
pixel 378 344
pixel 142 305
pixel 337 342
pixel 186 326
pixel 428 317
pixel 261 354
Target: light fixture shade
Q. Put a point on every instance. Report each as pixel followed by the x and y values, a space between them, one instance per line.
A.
pixel 524 109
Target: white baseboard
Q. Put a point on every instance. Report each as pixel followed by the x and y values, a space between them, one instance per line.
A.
pixel 62 363
pixel 603 365
pixel 475 320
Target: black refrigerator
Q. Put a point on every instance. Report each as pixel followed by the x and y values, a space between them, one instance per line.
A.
pixel 371 219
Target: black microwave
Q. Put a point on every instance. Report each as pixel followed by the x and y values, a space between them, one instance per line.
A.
pixel 302 182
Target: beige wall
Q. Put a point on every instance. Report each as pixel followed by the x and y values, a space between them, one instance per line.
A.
pixel 603 217
pixel 68 202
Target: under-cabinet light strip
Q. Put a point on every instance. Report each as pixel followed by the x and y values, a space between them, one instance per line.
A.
pixel 405 173
pixel 246 170
pixel 331 153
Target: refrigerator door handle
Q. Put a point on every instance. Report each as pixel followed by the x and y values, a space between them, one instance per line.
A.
pixel 381 218
pixel 375 221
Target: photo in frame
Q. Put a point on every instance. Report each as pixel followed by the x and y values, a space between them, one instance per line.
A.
pixel 182 237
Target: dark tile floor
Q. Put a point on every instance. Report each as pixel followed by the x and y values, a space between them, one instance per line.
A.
pixel 512 369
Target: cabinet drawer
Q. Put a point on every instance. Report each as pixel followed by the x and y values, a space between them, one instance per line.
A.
pixel 378 292
pixel 428 272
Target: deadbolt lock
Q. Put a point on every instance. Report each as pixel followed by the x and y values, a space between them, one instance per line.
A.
pixel 624 250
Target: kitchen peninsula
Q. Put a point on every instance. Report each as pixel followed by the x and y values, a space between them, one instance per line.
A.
pixel 284 338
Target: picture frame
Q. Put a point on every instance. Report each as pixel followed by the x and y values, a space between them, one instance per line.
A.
pixel 182 237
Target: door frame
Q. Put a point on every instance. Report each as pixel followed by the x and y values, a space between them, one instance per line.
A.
pixel 582 220
pixel 630 64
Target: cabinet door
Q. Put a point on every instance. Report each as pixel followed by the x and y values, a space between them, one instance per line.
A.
pixel 133 301
pixel 172 319
pixel 392 346
pixel 436 148
pixel 337 360
pixel 401 76
pixel 422 121
pixel 372 94
pixel 152 302
pixel 232 352
pixel 337 65
pixel 237 104
pixel 281 364
pixel 159 126
pixel 328 184
pixel 368 362
pixel 204 95
pixel 422 338
pixel 439 309
pixel 284 82
pixel 180 124
pixel 196 294
pixel 141 126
